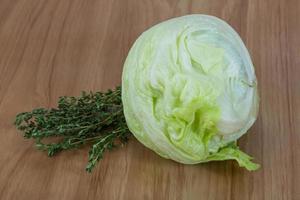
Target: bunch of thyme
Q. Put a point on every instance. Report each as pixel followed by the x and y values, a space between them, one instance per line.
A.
pixel 93 118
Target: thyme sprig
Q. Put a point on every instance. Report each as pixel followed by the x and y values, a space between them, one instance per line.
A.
pixel 93 118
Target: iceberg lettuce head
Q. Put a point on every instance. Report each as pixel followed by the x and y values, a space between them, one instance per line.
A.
pixel 189 90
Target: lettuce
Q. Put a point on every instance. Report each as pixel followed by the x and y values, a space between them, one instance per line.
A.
pixel 189 90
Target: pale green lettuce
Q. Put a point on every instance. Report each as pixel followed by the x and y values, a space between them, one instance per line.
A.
pixel 189 90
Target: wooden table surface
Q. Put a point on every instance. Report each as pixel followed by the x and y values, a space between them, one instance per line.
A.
pixel 54 48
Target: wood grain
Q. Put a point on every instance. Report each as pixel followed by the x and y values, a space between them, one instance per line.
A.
pixel 54 48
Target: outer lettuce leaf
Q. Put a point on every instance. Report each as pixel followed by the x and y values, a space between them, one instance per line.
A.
pixel 232 152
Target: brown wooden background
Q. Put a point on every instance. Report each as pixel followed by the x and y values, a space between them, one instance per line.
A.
pixel 50 48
